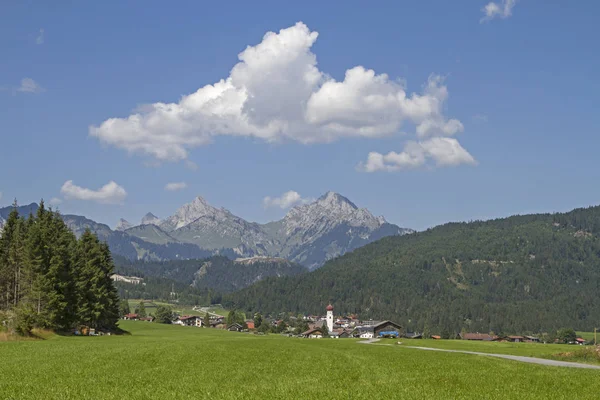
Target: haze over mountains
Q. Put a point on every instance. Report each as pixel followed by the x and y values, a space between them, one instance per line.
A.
pixel 309 234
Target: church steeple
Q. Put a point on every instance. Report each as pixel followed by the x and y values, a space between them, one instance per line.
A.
pixel 330 318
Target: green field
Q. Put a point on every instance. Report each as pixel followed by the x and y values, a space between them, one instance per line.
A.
pixel 151 305
pixel 159 361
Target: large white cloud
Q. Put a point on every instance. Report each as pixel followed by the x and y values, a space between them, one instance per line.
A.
pixel 276 92
pixel 111 193
pixel 502 9
pixel 286 200
pixel 441 151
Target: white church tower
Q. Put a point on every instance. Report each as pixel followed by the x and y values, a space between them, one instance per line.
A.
pixel 330 318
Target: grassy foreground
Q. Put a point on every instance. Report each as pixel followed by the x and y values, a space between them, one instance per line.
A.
pixel 158 361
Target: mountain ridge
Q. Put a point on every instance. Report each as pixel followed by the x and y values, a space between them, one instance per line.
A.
pixel 309 234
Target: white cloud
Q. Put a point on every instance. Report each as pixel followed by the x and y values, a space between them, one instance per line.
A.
pixel 480 118
pixel 502 9
pixel 55 201
pixel 28 85
pixel 191 165
pixel 286 200
pixel 40 37
pixel 442 151
pixel 276 92
pixel 174 186
pixel 111 193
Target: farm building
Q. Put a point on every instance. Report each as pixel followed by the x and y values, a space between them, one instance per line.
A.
pixel 363 332
pixel 387 329
pixel 250 324
pixel 131 317
pixel 477 336
pixel 315 333
pixel 413 335
pixel 235 327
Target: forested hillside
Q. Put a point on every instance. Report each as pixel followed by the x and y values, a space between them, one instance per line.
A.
pixel 219 274
pixel 50 279
pixel 518 274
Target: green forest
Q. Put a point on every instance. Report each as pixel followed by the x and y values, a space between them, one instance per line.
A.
pixel 532 273
pixel 216 273
pixel 49 279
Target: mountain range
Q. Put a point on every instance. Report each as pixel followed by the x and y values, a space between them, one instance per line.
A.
pixel 309 234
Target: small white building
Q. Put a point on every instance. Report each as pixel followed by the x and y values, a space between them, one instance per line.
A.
pixel 189 320
pixel 364 332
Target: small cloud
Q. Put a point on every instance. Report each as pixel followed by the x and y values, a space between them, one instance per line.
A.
pixel 174 186
pixel 442 152
pixel 28 85
pixel 40 37
pixel 191 165
pixel 502 9
pixel 111 193
pixel 55 201
pixel 480 118
pixel 286 200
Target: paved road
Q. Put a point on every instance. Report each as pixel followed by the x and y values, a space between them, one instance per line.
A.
pixel 531 360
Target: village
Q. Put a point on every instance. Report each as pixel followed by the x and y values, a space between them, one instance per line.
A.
pixel 330 326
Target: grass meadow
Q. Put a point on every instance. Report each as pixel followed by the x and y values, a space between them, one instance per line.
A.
pixel 159 361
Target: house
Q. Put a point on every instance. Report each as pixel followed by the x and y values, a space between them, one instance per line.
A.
pixel 387 329
pixel 532 339
pixel 580 341
pixel 250 324
pixel 515 339
pixel 477 336
pixel 131 317
pixel 316 333
pixel 235 327
pixel 147 319
pixel 413 335
pixel 363 332
pixel 436 337
pixel 339 333
pixel 189 320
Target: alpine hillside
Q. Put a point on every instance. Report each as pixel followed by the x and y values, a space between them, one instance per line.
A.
pixel 219 274
pixel 531 273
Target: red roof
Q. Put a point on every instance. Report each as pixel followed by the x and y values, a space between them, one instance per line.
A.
pixel 476 336
pixel 330 308
pixel 131 315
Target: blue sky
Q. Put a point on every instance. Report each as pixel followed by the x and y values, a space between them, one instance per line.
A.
pixel 508 123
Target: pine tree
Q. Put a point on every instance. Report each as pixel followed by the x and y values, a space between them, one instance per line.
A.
pixel 206 321
pixel 141 310
pixel 11 260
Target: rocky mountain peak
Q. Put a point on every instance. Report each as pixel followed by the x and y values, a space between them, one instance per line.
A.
pixel 150 219
pixel 190 212
pixel 335 201
pixel 123 225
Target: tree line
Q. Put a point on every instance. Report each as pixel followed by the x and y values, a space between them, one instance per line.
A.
pixel 49 279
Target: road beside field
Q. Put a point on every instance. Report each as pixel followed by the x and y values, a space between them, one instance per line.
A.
pixel 530 360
